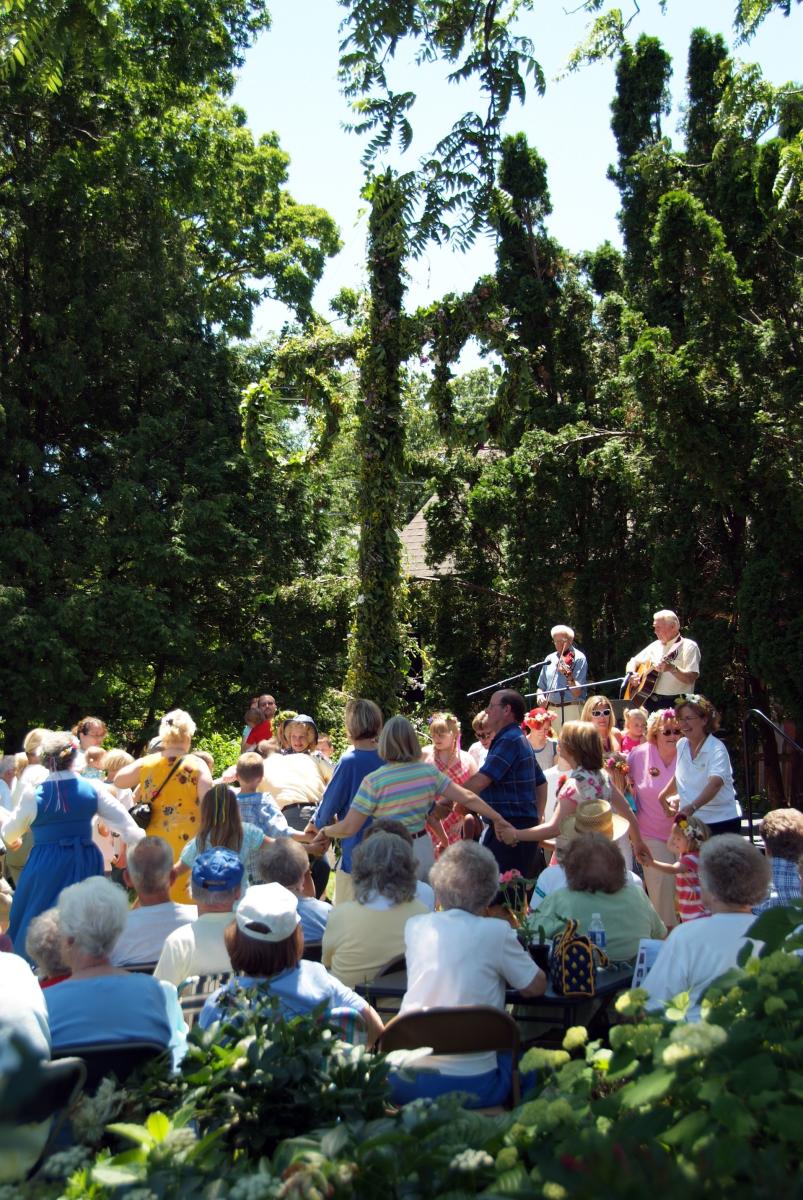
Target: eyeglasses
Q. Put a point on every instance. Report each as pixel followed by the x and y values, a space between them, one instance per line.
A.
pixel 600 712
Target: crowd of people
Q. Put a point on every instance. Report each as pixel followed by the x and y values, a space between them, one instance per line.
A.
pixel 124 878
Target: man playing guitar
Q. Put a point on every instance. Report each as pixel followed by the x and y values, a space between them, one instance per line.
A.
pixel 560 684
pixel 665 668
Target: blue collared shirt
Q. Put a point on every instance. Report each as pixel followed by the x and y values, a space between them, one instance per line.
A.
pixel 261 810
pixel 514 772
pixel 553 683
pixel 785 885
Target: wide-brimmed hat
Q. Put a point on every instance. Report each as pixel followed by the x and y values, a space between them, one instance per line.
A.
pixel 272 908
pixel 595 816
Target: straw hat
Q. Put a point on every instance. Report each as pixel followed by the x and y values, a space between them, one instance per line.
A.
pixel 595 816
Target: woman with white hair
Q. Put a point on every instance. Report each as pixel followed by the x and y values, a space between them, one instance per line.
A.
pixel 734 876
pixel 43 947
pixel 59 812
pixel 99 1002
pixel 173 782
pixel 367 931
pixel 459 957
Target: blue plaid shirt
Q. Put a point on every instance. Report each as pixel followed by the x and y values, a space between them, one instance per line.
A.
pixel 785 885
pixel 261 810
pixel 514 772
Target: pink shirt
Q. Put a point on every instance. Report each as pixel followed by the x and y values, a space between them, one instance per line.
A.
pixel 629 743
pixel 648 776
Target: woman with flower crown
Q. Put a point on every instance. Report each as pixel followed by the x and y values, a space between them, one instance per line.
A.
pixel 59 813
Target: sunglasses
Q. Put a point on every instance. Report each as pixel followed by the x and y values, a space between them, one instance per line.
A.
pixel 600 712
pixel 671 733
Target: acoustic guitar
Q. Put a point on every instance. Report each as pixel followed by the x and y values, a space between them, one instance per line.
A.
pixel 640 683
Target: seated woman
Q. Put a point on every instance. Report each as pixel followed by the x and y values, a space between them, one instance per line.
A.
pixel 596 882
pixel 366 932
pixel 43 948
pixel 594 816
pixel 265 944
pixel 458 957
pixel 99 1002
pixel 733 877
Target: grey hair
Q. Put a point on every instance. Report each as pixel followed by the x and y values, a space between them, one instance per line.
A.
pixel 93 913
pixel 733 871
pixel 216 899
pixel 149 865
pixel 384 865
pixel 465 876
pixel 43 944
pixel 7 763
pixel 666 614
pixel 58 750
pixel 283 861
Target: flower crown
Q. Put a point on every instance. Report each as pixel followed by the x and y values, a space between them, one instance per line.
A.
pixel 539 716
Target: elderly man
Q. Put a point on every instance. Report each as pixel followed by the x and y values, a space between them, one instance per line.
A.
pixel 511 781
pixel 150 873
pixel 287 863
pixel 199 948
pixel 563 674
pixel 666 668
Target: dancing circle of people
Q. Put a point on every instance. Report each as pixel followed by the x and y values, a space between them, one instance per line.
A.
pixel 299 873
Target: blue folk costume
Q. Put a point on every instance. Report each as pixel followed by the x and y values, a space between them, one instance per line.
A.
pixel 63 850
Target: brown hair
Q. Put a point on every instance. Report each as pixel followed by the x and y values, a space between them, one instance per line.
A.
pixel 583 741
pixel 250 956
pixel 704 708
pixel 363 719
pixel 85 726
pixel 477 721
pixel 594 864
pixel 250 767
pixel 782 831
pixel 220 823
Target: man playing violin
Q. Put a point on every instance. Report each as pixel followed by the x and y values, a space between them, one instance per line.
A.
pixel 560 684
pixel 668 666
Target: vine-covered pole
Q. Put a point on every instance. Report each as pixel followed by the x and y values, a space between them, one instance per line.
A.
pixel 375 656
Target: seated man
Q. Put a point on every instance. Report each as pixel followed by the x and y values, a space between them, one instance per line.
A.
pixel 198 948
pixel 150 873
pixel 287 863
pixel 782 831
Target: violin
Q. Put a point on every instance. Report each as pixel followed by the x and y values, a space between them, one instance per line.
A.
pixel 565 663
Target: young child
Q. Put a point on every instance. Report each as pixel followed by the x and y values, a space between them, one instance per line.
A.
pixel 446 755
pixel 685 840
pixel 635 722
pixel 538 727
pixel 258 808
pixel 95 762
pixel 221 826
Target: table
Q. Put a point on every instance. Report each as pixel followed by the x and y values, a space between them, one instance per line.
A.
pixel 561 1010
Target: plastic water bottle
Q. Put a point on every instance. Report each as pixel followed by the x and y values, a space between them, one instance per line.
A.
pixel 596 931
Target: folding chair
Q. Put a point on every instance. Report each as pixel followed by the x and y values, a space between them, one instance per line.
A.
pixel 457 1031
pixel 103 1059
pixel 196 991
pixel 313 951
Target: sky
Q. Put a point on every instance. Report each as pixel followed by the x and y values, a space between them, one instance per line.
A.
pixel 289 84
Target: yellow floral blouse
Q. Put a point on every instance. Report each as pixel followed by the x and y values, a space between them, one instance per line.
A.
pixel 176 812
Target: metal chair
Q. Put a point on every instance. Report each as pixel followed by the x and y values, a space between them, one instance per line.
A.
pixel 457 1031
pixel 58 1087
pixel 193 998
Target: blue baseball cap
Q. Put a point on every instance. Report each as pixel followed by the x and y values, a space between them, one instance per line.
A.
pixel 218 870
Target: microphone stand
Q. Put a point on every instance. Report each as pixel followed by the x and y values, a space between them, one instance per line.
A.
pixel 589 685
pixel 500 683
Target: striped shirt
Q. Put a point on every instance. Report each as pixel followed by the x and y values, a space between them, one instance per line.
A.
pixel 688 899
pixel 404 791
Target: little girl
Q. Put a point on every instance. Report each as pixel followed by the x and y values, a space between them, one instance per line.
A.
pixel 685 840
pixel 538 726
pixel 635 722
pixel 446 755
pixel 221 826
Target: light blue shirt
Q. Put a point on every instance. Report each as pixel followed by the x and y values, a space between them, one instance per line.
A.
pixel 553 683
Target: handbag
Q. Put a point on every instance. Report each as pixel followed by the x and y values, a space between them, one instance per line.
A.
pixel 141 813
pixel 574 962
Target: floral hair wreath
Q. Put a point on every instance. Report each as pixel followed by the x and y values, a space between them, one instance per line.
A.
pixel 538 716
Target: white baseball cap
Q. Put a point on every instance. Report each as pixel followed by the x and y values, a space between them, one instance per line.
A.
pixel 271 907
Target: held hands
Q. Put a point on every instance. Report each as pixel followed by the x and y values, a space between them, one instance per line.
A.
pixel 506 833
pixel 643 854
